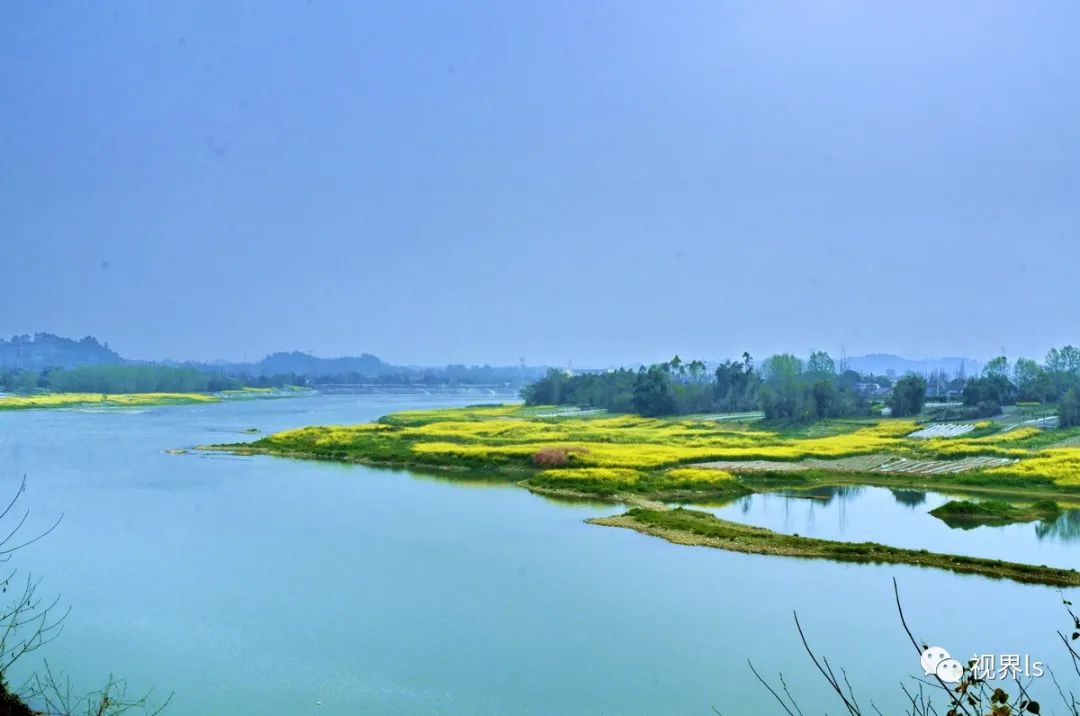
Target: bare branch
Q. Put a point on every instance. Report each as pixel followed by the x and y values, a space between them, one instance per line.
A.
pixel 770 688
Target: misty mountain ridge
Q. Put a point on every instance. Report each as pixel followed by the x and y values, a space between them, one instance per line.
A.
pixel 886 363
pixel 306 364
pixel 45 350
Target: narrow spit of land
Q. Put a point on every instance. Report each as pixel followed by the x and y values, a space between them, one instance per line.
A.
pixel 690 527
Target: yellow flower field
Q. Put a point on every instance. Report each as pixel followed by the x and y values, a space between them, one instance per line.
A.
pixel 997 444
pixel 63 400
pixel 606 474
pixel 645 444
pixel 1062 465
pixel 613 479
pixel 628 450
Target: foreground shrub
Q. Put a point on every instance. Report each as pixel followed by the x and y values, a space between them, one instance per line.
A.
pixel 555 456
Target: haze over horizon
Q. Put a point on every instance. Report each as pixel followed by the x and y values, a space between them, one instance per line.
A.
pixel 588 182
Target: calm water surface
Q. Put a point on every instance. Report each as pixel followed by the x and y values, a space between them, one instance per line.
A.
pixel 272 586
pixel 901 518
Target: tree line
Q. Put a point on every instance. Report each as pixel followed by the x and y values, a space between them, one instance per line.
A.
pixel 1055 381
pixel 117 379
pixel 784 387
pixel 200 377
pixel 787 387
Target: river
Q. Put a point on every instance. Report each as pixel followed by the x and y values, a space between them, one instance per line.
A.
pixel 259 585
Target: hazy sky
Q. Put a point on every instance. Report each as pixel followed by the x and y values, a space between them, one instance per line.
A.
pixel 563 181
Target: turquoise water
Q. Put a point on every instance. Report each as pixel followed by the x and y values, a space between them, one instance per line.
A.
pixel 272 586
pixel 901 518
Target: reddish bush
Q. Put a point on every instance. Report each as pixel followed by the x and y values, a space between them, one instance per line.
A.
pixel 555 456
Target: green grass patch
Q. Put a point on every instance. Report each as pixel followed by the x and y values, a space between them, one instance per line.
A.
pixel 676 483
pixel 968 514
pixel 693 527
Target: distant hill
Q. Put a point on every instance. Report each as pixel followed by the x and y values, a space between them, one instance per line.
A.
pixel 44 350
pixel 883 363
pixel 367 368
pixel 306 364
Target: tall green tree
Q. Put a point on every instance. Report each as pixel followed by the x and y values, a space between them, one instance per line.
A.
pixel 1032 382
pixel 783 395
pixel 697 370
pixel 908 396
pixel 997 368
pixel 1069 409
pixel 652 392
pixel 1063 368
pixel 821 363
pixel 1064 360
pixel 736 383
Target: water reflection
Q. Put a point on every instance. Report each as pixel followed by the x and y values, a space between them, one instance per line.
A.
pixel 825 495
pixel 909 498
pixel 1065 528
pixel 806 502
pixel 900 518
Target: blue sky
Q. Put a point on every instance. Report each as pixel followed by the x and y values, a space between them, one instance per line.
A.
pixel 589 182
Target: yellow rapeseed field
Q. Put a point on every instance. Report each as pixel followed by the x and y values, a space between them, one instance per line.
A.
pixel 605 474
pixel 61 400
pixel 997 444
pixel 328 434
pixel 697 474
pixel 1062 465
pixel 628 449
pixel 632 442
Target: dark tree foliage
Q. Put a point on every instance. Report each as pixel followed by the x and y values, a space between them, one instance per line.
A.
pixel 118 379
pixel 612 390
pixel 1033 383
pixel 787 391
pixel 1063 369
pixel 1027 381
pixel 136 379
pixel 672 388
pixel 908 396
pixel 735 385
pixel 992 389
pixel 1069 409
pixel 791 392
pixel 44 350
pixel 653 394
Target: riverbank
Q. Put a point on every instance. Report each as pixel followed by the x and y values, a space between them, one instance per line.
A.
pixel 651 461
pixel 103 400
pixel 690 527
pixel 603 454
pixel 135 400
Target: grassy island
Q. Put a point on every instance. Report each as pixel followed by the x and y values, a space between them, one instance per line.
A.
pixel 965 514
pixel 652 461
